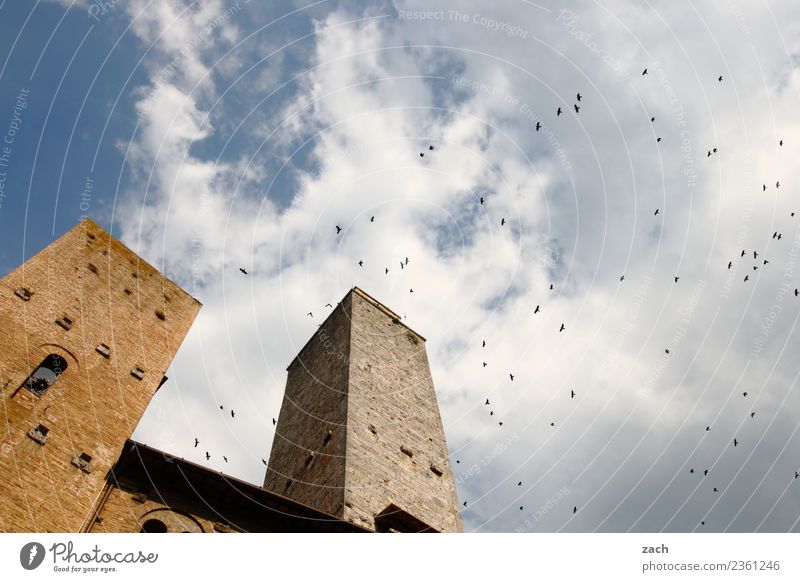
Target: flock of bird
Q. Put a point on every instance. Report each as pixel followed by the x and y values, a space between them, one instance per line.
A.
pixel 404 262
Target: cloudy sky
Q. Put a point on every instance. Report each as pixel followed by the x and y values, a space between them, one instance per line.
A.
pixel 215 135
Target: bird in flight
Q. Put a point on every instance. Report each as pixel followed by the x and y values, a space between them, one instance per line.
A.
pixel 658 140
pixel 562 328
pixel 777 184
pixel 535 311
pixel 538 126
pixel 484 364
pixel 720 79
pixel 746 278
pixel 310 314
pixel 484 344
pixel 666 350
pixel 338 229
pixel 372 219
pixel 512 377
pixel 430 148
pixel 676 279
pixel 196 442
pixel 644 72
pixel 578 96
pixel 780 143
pixel 233 414
pixel 226 458
pixel 744 394
pixel 329 305
pixel 208 457
pixel 572 393
pixel 796 292
pixel 705 473
pixel 558 112
pixel 486 403
pixel 755 254
pixel 652 119
pixel 691 470
pixel 220 407
pixel 360 263
pixel 482 200
pixel 575 510
pixel 387 270
pixel 752 415
pixel 242 270
pixel 622 278
pixel 274 422
pixel 263 461
pixel 735 443
pixel 708 428
pixel 421 155
pixel 502 221
pixel 730 264
pixel 743 251
pixel 656 214
pixel 577 109
pixel 551 286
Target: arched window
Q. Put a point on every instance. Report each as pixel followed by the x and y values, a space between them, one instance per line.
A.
pixel 153 526
pixel 43 377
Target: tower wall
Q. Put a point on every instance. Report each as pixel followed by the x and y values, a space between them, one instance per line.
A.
pixel 111 297
pixel 365 376
pixel 307 462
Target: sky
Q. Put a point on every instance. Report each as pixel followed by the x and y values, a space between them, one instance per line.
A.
pixel 653 218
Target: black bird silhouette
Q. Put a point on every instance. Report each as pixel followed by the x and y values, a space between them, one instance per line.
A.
pixel 208 457
pixel 708 155
pixel 796 474
pixel 691 470
pixel 777 184
pixel 775 234
pixel 780 143
pixel 491 413
pixel 512 377
pixel 562 327
pixel 558 112
pixel 274 422
pixel 387 270
pixel 766 261
pixel 746 278
pixel 535 311
pixel 243 271
pixel 372 219
pixel 465 504
pixel 676 279
pixel 744 394
pixel 482 200
pixel 702 523
pixel 484 344
pixel 764 187
pixel 658 140
pixel 263 461
pixel 796 292
pixel 421 155
pixel 233 414
pixel 667 350
pixel 714 150
pixel 730 264
pixel 622 278
pixel 652 119
pixel 552 424
pixel 338 229
pixel 705 472
pixel 755 254
pixel 196 442
pixel 551 286
pixel 735 443
pixel 708 428
pixel 720 79
pixel 577 109
pixel 644 72
pixel 752 415
pixel 743 253
pixel 521 507
pixel 360 263
pixel 716 490
pixel 430 148
pixel 575 510
pixel 578 96
pixel 410 290
pixel 500 423
pixel 502 221
pixel 484 364
pixel 406 260
pixel 519 484
pixel 310 314
pixel 487 402
pixel 226 458
pixel 538 126
pixel 656 214
pixel 572 393
pixel 220 407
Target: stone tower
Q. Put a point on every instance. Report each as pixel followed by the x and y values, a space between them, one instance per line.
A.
pixel 359 434
pixel 87 331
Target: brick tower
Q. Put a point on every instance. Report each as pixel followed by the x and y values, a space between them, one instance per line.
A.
pixel 87 330
pixel 359 434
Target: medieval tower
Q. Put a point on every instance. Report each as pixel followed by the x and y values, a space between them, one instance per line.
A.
pixel 359 434
pixel 87 331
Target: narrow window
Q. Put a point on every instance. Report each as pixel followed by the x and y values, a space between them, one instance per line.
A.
pixel 65 322
pixel 83 462
pixel 406 451
pixel 160 314
pixel 103 350
pixel 23 293
pixel 43 377
pixel 39 434
pixel 137 373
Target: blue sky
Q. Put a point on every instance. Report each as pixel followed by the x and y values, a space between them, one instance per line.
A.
pixel 224 134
